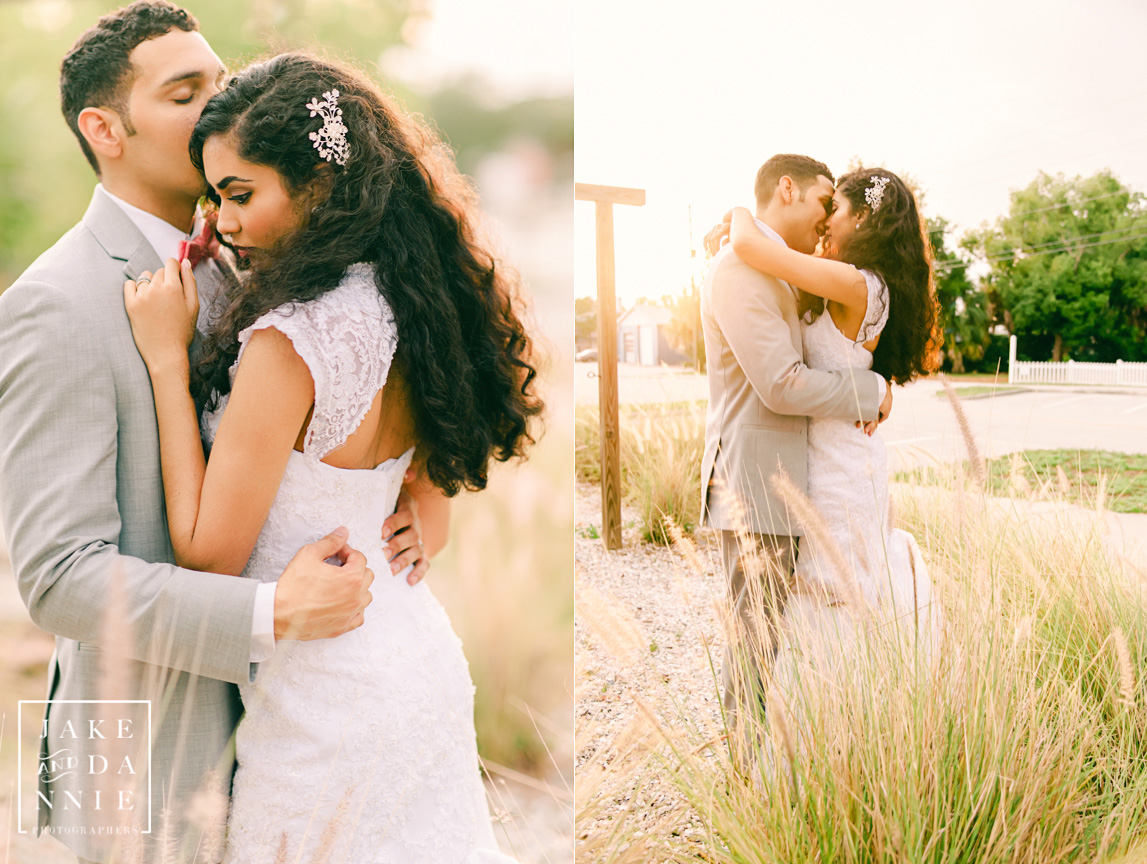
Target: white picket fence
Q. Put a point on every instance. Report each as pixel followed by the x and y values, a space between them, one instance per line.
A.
pixel 1117 374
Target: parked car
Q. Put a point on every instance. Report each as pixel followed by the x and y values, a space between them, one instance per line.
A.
pixel 589 355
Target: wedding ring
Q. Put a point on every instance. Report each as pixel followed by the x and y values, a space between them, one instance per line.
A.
pixel 142 279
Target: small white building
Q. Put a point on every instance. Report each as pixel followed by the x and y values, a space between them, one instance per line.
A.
pixel 642 337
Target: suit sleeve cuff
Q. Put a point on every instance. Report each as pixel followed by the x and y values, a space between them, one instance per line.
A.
pixel 263 623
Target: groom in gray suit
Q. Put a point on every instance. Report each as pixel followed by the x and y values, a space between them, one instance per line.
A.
pixel 82 497
pixel 760 398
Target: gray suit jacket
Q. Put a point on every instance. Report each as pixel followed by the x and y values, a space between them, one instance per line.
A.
pixel 81 497
pixel 761 395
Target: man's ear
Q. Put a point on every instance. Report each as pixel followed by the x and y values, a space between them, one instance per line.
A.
pixel 788 189
pixel 103 131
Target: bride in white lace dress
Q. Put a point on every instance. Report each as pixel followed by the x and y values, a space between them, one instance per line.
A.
pixel 371 333
pixel 880 314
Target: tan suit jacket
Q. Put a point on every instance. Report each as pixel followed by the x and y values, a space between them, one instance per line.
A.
pixel 81 498
pixel 761 395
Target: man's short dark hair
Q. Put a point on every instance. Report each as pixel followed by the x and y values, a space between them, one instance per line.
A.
pixel 96 72
pixel 803 169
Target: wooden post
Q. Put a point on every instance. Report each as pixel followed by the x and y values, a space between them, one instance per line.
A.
pixel 604 197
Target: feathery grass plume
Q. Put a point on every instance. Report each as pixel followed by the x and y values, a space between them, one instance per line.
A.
pixel 115 641
pixel 965 427
pixel 1017 480
pixel 281 853
pixel 331 832
pixel 1126 674
pixel 616 630
pixel 685 546
pixel 1023 631
pixel 167 845
pixel 1101 493
pixel 129 849
pixel 805 513
pixel 778 719
pixel 113 687
pixel 208 812
pixel 1064 483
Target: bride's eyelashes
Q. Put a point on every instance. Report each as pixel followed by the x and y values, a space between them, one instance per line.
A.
pixel 241 199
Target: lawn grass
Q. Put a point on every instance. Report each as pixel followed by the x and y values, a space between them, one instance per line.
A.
pixel 1075 475
pixel 981 390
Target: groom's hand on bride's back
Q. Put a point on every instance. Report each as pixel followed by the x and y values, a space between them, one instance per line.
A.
pixel 316 599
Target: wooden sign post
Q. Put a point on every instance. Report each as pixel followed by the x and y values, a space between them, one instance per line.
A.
pixel 604 197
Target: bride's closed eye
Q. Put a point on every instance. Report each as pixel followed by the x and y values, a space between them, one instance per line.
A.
pixel 240 199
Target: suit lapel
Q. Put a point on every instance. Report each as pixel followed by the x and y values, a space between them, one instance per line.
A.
pixel 119 237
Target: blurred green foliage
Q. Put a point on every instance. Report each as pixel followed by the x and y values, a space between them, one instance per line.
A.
pixel 45 183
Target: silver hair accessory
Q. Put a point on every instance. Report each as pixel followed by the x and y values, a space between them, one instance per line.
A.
pixel 330 141
pixel 875 194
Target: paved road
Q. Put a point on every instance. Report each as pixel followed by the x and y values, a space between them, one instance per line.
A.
pixel 923 430
pixel 922 427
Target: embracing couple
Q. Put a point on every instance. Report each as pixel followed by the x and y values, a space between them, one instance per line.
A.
pixel 819 302
pixel 352 347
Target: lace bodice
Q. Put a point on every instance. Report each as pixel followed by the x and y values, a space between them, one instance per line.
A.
pixel 347 338
pixel 825 347
pixel 339 726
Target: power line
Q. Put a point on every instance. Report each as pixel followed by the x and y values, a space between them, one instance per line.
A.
pixel 1065 248
pixel 1127 192
pixel 1075 238
pixel 1064 240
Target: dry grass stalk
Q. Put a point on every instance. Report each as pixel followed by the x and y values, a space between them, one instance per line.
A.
pixel 778 719
pixel 1016 479
pixel 281 852
pixel 1064 483
pixel 115 641
pixel 684 545
pixel 807 515
pixel 617 631
pixel 1126 674
pixel 978 466
pixel 208 812
pixel 331 832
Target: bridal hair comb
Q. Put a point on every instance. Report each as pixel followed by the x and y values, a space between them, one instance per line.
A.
pixel 330 141
pixel 873 195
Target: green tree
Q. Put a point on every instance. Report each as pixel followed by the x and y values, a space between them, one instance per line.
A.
pixel 684 330
pixel 1069 264
pixel 964 309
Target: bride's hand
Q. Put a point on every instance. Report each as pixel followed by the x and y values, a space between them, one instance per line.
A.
pixel 163 309
pixel 718 235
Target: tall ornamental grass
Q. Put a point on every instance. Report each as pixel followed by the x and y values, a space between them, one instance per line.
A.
pixel 1022 739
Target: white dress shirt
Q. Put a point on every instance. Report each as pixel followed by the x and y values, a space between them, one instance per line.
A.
pixel 165 239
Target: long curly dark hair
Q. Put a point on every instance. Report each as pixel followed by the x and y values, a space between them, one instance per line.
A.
pixel 400 204
pixel 891 241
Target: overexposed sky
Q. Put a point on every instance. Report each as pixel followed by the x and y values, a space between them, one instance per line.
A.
pixel 520 48
pixel 971 98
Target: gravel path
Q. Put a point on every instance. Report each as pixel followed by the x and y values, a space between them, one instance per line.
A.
pixel 647 621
